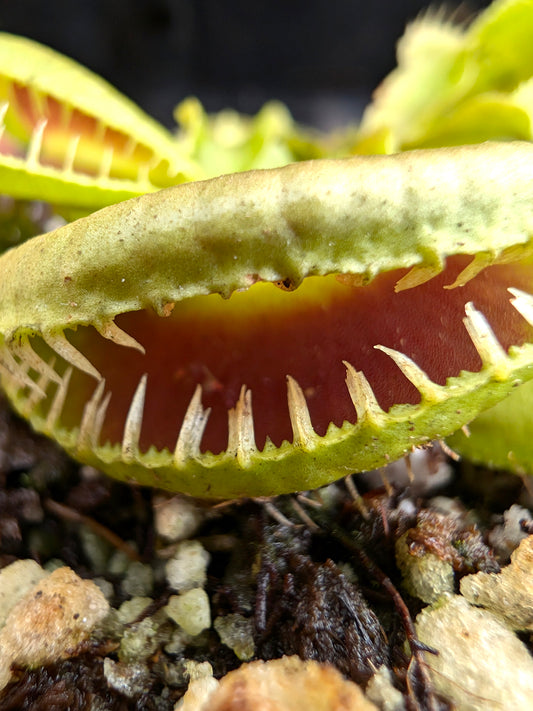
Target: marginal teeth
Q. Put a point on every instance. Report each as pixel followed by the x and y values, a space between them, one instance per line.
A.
pixel 88 434
pixel 3 110
pixel 21 348
pixel 37 100
pixel 302 428
pixel 416 276
pixel 36 142
pixel 112 332
pixel 523 303
pixel 487 345
pixel 477 265
pixel 99 130
pixel 132 428
pixel 363 398
pixel 70 153
pixel 59 400
pixel 66 111
pixel 99 419
pixel 34 396
pixel 429 390
pixel 15 371
pixel 58 342
pixel 104 169
pixel 241 438
pixel 192 430
pixel 129 146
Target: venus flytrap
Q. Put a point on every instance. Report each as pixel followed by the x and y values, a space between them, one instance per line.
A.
pixel 71 139
pixel 228 142
pixel 456 84
pixel 464 84
pixel 266 331
pixel 270 331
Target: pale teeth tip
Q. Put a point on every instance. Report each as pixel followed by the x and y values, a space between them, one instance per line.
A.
pixel 63 347
pixel 21 348
pixel 59 400
pixel 485 342
pixel 476 266
pixel 523 303
pixel 302 427
pixel 192 430
pixel 114 333
pixel 241 438
pixel 17 372
pixel 426 387
pixel 36 141
pixel 416 276
pixel 86 435
pixel 363 398
pixel 132 427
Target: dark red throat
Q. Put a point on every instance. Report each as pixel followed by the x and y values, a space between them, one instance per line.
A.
pixel 259 337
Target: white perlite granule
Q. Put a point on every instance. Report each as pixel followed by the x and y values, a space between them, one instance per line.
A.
pixel 481 664
pixel 15 581
pixel 190 611
pixel 236 632
pixel 187 568
pixel 176 518
pixel 50 621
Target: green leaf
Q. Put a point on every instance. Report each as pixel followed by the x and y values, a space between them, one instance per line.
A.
pixel 448 77
pixel 499 44
pixel 71 138
pixel 359 219
pixel 501 437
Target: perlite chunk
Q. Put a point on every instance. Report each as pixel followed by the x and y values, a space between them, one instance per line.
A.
pixel 50 621
pixel 481 665
pixel 236 632
pixel 190 611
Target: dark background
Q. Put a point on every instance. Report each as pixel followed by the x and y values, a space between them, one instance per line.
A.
pixel 322 57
